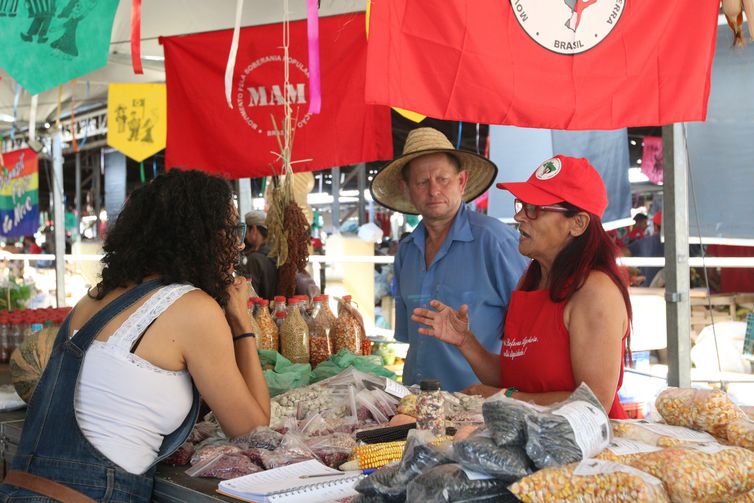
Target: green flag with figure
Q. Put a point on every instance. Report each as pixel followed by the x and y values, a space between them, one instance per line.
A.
pixel 49 42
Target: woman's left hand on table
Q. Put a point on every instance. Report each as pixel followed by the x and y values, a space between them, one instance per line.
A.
pixel 481 389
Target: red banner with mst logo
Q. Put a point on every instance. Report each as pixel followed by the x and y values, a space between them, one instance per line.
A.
pixel 558 64
pixel 203 133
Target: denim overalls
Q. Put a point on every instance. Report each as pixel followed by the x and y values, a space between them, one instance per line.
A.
pixel 52 445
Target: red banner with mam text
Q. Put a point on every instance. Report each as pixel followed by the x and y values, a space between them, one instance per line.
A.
pixel 204 133
pixel 559 64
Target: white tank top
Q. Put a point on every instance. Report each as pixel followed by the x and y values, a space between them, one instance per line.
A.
pixel 124 404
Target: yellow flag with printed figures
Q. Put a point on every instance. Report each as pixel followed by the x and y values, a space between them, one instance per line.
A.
pixel 137 119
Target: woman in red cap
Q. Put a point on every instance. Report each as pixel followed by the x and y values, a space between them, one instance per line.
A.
pixel 568 320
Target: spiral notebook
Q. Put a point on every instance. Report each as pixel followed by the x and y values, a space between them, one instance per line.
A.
pixel 290 484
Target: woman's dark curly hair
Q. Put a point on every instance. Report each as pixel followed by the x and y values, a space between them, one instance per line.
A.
pixel 180 226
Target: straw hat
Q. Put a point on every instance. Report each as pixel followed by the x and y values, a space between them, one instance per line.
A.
pixel 386 186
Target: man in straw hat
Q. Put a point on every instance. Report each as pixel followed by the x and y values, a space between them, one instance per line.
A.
pixel 454 254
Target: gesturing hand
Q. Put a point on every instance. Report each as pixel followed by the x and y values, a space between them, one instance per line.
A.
pixel 444 322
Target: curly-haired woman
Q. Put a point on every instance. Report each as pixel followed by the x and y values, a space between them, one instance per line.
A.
pixel 166 323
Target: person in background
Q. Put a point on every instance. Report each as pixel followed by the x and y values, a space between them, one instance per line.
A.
pixel 255 264
pixel 260 268
pixel 30 246
pixel 454 254
pixel 650 246
pixel 639 229
pixel 568 320
pixel 167 322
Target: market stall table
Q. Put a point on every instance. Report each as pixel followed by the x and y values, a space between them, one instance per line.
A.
pixel 171 484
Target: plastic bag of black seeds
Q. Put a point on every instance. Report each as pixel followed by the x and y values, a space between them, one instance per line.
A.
pixel 362 498
pixel 420 455
pixel 381 484
pixel 569 431
pixel 479 453
pixel 505 418
pixel 446 483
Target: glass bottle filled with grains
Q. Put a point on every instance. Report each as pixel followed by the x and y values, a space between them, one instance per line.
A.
pixel 430 413
pixel 294 335
pixel 268 336
pixel 320 348
pixel 278 305
pixel 346 331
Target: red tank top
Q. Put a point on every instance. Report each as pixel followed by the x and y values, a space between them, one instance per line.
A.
pixel 536 356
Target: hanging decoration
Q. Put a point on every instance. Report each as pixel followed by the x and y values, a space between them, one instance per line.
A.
pixel 408 114
pixel 47 43
pixel 312 30
pixel 544 63
pixel 230 66
pixel 734 14
pixel 288 230
pixel 241 142
pixel 19 193
pixel 136 114
pixel 136 36
pixel 651 159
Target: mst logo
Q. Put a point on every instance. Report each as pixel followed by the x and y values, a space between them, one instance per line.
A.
pixel 568 26
pixel 258 101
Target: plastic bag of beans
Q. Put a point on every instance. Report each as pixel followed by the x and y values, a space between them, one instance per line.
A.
pixel 225 466
pixel 588 481
pixel 741 433
pixel 701 472
pixel 380 484
pixel 569 431
pixel 506 418
pixel 701 409
pixel 451 482
pixel 661 435
pixel 480 453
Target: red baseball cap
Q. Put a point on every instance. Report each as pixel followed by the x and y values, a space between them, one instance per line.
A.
pixel 563 179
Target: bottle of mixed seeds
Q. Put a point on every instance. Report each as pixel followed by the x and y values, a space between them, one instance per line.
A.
pixel 430 413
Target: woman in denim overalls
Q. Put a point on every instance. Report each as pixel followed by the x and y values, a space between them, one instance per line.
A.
pixel 167 310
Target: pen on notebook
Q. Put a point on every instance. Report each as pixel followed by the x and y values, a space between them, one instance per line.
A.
pixel 322 475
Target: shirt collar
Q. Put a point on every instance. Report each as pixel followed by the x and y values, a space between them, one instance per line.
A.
pixel 460 230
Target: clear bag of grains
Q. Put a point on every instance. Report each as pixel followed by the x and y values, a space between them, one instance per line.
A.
pixel 701 409
pixel 268 330
pixel 294 336
pixel 590 481
pixel 346 331
pixel 320 348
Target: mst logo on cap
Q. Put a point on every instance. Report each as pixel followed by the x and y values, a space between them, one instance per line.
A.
pixel 568 26
pixel 548 169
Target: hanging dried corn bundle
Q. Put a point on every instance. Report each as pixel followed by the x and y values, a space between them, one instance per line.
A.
pixel 734 11
pixel 288 229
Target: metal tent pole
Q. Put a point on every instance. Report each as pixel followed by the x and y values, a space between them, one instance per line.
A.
pixel 243 188
pixel 676 229
pixel 58 216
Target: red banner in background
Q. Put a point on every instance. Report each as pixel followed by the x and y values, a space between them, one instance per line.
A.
pixel 203 133
pixel 558 64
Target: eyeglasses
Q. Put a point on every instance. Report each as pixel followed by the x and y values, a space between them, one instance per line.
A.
pixel 239 230
pixel 532 211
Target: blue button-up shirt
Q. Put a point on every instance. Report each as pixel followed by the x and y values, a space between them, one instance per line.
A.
pixel 478 264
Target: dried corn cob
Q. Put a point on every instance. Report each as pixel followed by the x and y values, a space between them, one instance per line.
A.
pixel 378 455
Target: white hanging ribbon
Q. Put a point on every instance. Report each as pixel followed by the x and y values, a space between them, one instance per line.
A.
pixel 231 65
